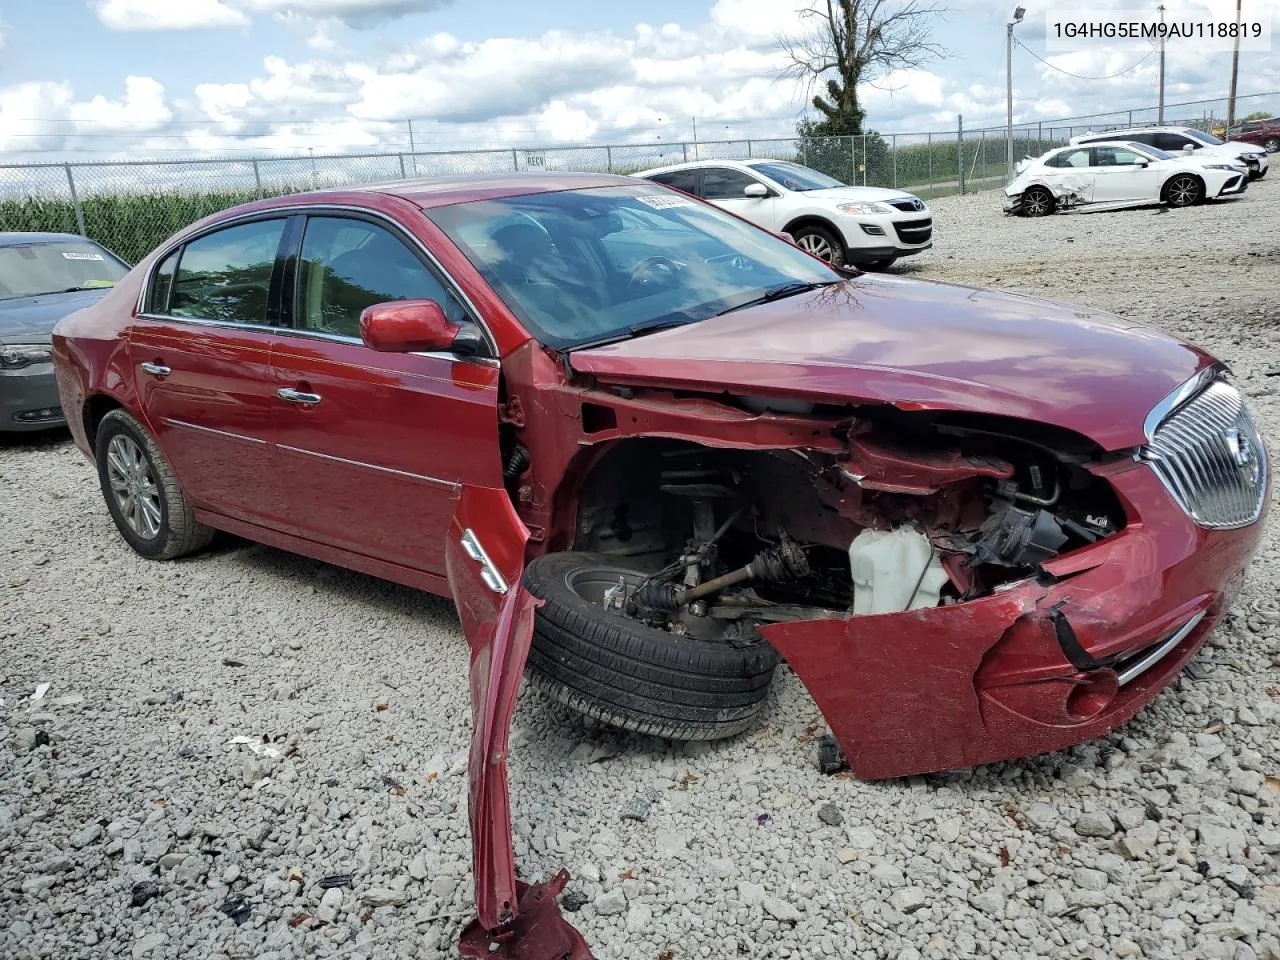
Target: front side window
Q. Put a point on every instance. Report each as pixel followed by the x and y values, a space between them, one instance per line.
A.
pixel 1208 139
pixel 56 266
pixel 582 266
pixel 793 176
pixel 226 275
pixel 348 265
pixel 1116 157
pixel 1174 142
pixel 722 183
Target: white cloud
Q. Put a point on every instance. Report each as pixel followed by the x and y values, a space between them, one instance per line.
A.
pixel 353 13
pixel 167 14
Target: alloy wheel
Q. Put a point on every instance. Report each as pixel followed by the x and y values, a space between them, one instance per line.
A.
pixel 1184 191
pixel 1035 203
pixel 1272 145
pixel 816 245
pixel 133 486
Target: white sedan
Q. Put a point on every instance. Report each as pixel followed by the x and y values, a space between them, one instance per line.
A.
pixel 868 227
pixel 1117 174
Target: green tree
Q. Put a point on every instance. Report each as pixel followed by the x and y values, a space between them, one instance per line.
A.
pixel 846 43
pixel 1259 115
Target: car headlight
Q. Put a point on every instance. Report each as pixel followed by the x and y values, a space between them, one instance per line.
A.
pixel 1222 166
pixel 15 356
pixel 865 207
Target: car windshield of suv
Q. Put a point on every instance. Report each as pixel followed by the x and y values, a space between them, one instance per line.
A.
pixel 795 177
pixel 1203 137
pixel 589 266
pixel 30 269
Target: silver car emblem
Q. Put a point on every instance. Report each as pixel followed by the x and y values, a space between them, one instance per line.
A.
pixel 1240 447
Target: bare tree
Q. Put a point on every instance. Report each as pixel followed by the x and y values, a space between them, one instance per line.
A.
pixel 849 42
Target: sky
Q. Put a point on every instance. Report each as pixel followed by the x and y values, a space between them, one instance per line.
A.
pixel 105 79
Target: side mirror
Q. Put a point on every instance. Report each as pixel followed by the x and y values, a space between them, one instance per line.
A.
pixel 1144 163
pixel 1188 149
pixel 756 191
pixel 407 326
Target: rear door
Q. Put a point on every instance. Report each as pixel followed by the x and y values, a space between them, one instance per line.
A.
pixel 1071 172
pixel 377 445
pixel 200 351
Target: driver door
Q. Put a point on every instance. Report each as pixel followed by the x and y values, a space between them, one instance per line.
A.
pixel 1121 174
pixel 725 187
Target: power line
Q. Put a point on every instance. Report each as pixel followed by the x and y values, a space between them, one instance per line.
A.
pixel 1077 76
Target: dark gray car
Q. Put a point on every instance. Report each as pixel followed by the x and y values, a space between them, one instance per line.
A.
pixel 43 278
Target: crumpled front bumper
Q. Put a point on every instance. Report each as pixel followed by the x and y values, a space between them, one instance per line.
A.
pixel 988 680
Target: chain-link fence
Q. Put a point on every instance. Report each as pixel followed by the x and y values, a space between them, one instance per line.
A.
pixel 130 207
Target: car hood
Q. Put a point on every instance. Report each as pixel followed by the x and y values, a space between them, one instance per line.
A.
pixel 31 319
pixel 1242 146
pixel 922 345
pixel 850 194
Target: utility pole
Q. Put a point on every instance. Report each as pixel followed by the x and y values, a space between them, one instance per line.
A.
pixel 1235 69
pixel 1008 71
pixel 1160 109
pixel 412 152
pixel 695 138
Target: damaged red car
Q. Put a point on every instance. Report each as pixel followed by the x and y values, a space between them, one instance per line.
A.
pixel 652 450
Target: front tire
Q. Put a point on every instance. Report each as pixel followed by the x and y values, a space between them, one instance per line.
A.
pixel 884 263
pixel 1037 202
pixel 1184 190
pixel 821 242
pixel 142 494
pixel 627 674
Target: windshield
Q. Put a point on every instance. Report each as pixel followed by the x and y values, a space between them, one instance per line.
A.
pixel 30 269
pixel 795 177
pixel 1203 137
pixel 1150 151
pixel 585 266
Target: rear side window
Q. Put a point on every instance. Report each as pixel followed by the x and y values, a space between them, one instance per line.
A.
pixel 158 301
pixel 686 180
pixel 226 275
pixel 1173 142
pixel 1070 158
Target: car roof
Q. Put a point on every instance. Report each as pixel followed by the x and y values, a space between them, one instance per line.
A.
pixel 15 238
pixel 427 192
pixel 697 164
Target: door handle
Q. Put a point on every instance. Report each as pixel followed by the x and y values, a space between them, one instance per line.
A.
pixel 156 369
pixel 489 573
pixel 290 395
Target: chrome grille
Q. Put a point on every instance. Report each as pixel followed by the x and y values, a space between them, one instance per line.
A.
pixel 1211 458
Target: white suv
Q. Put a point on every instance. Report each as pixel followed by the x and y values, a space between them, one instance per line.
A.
pixel 1184 140
pixel 867 227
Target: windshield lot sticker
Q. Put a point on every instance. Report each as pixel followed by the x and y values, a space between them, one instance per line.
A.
pixel 77 255
pixel 661 202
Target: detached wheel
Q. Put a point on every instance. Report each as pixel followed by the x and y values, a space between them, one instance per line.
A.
pixel 1037 202
pixel 142 495
pixel 820 242
pixel 1183 190
pixel 626 674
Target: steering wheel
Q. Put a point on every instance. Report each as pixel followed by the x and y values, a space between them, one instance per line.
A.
pixel 654 271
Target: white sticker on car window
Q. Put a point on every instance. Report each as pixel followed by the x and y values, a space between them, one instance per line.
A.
pixel 80 255
pixel 660 202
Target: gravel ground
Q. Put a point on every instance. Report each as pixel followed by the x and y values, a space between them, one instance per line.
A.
pixel 134 823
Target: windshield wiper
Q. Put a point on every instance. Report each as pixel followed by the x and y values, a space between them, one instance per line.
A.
pixel 780 293
pixel 78 289
pixel 635 330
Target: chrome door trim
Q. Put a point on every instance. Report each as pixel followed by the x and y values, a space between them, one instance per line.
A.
pixel 217 433
pixel 311 210
pixel 369 466
pixel 489 573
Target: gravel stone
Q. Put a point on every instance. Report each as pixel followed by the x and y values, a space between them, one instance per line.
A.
pixel 1095 825
pixel 781 910
pixel 1182 783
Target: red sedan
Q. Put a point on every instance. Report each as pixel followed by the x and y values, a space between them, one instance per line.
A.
pixel 650 449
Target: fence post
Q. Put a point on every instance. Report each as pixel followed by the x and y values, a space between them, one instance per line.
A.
pixel 684 148
pixel 929 153
pixel 853 160
pixel 75 200
pixel 865 161
pixel 400 155
pixel 257 176
pixel 515 159
pixel 895 160
pixel 960 149
pixel 608 158
pixel 748 148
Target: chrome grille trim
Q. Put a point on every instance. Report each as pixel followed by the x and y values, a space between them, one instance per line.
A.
pixel 1194 451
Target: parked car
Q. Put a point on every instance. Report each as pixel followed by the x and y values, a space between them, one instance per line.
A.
pixel 43 277
pixel 1118 174
pixel 1264 133
pixel 1188 140
pixel 867 227
pixel 652 448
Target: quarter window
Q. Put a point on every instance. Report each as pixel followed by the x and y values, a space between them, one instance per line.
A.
pixel 158 302
pixel 348 265
pixel 686 180
pixel 1070 158
pixel 226 275
pixel 721 183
